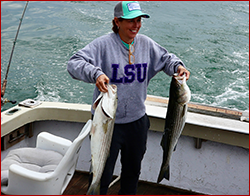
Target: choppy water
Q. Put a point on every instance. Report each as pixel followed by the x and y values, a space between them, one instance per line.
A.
pixel 211 37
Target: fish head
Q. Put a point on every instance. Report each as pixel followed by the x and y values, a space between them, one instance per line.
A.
pixel 112 90
pixel 180 90
pixel 97 101
pixel 109 103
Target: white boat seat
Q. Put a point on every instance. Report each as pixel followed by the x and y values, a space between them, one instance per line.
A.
pixel 35 159
pixel 44 170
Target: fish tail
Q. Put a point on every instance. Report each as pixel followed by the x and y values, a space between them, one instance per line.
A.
pixel 94 189
pixel 164 173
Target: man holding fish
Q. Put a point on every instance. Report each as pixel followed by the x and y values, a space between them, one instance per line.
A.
pixel 129 61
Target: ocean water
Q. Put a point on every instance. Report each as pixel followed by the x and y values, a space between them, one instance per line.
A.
pixel 211 37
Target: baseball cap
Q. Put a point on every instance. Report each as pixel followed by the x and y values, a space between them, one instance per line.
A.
pixel 129 10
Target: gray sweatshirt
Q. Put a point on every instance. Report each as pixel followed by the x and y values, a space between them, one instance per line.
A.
pixel 108 55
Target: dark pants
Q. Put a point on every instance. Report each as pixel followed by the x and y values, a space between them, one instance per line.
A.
pixel 131 139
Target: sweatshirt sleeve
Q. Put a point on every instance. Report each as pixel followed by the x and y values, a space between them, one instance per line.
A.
pixel 162 60
pixel 81 66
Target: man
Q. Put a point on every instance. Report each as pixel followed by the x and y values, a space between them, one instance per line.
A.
pixel 129 60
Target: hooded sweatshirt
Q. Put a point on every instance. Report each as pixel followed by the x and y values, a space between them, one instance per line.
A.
pixel 108 55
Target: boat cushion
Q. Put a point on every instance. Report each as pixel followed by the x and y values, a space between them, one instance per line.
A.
pixel 34 159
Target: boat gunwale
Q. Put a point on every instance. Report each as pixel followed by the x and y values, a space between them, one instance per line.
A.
pixel 72 112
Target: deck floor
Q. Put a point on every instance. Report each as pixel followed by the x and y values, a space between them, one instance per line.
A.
pixel 79 185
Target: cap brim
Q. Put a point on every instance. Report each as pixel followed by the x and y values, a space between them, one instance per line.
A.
pixel 131 16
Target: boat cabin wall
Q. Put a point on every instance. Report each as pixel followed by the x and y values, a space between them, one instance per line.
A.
pixel 216 168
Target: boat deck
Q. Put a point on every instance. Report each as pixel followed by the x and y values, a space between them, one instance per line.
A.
pixel 79 186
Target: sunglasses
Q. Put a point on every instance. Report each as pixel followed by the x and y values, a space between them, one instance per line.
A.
pixel 131 56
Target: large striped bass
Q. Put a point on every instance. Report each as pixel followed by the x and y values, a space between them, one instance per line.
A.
pixel 101 134
pixel 179 96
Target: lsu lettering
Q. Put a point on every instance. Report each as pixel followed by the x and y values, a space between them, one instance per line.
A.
pixel 132 72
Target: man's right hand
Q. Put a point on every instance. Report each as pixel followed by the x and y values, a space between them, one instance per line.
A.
pixel 101 82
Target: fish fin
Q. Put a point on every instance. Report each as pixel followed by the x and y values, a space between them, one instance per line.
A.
pixel 184 110
pixel 175 147
pixel 91 167
pixel 94 189
pixel 164 174
pixel 162 141
pixel 97 101
pixel 107 110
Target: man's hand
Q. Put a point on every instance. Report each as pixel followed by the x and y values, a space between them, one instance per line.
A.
pixel 181 70
pixel 101 82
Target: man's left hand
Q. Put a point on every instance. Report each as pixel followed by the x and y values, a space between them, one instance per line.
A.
pixel 181 70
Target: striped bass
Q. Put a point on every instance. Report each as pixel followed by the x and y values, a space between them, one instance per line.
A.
pixel 179 96
pixel 101 134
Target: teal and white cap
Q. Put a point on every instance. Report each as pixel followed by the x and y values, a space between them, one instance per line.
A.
pixel 129 10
